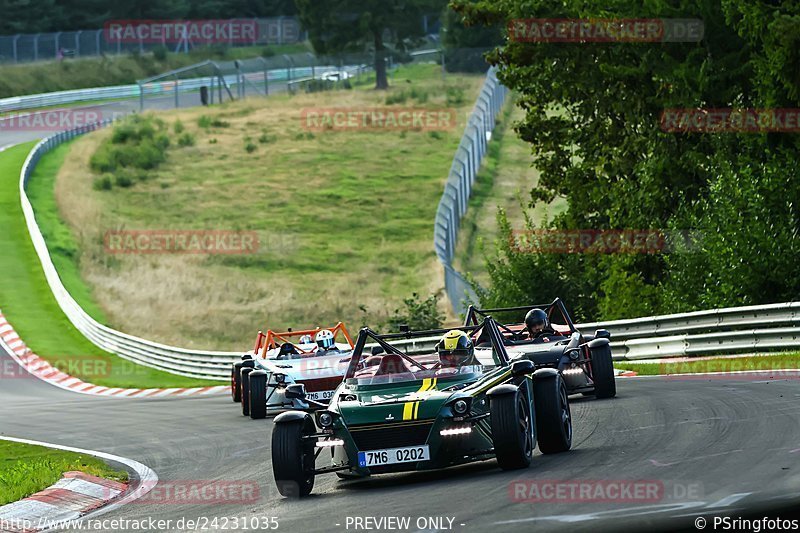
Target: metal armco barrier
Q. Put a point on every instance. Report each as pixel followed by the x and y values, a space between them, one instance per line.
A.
pixel 458 189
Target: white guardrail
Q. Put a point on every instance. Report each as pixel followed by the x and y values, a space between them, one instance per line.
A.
pixel 742 329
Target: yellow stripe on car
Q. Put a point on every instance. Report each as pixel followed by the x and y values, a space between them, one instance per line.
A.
pixel 411 409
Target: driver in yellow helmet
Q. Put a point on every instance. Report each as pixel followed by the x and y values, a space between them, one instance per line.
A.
pixel 456 350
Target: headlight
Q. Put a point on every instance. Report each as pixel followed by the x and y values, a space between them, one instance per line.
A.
pixel 574 354
pixel 455 431
pixel 325 420
pixel 460 407
pixel 280 378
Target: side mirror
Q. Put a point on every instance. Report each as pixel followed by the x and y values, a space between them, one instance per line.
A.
pixel 602 334
pixel 377 350
pixel 523 367
pixel 296 391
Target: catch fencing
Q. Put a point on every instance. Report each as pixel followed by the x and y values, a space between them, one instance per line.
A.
pixel 458 188
pixel 27 47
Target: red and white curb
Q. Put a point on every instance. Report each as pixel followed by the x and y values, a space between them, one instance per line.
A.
pixel 76 495
pixel 43 370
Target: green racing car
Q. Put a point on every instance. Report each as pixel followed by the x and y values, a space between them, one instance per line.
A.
pixel 402 412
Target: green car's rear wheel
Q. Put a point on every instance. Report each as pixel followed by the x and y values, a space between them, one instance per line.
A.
pixel 293 458
pixel 553 416
pixel 511 429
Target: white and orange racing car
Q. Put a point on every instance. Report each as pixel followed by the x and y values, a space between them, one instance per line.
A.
pixel 310 357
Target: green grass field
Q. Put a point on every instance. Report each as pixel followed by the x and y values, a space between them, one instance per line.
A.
pixel 26 469
pixel 344 218
pixel 29 305
pixel 783 361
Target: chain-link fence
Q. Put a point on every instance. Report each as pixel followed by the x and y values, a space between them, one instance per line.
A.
pixel 23 48
pixel 212 82
pixel 458 189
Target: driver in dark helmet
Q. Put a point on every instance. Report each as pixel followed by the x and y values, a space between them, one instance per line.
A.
pixel 537 324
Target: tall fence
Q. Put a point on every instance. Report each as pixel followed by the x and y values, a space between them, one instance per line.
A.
pixel 28 47
pixel 460 181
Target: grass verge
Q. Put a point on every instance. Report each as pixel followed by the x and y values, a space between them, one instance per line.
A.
pixel 344 217
pixel 26 469
pixel 784 361
pixel 28 303
pixel 504 180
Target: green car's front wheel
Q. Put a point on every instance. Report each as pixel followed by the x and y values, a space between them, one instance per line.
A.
pixel 511 429
pixel 293 458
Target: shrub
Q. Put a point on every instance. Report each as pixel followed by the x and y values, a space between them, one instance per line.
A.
pixel 102 183
pixel 178 127
pixel 418 314
pixel 187 139
pixel 397 98
pixel 455 96
pixel 160 53
pixel 250 147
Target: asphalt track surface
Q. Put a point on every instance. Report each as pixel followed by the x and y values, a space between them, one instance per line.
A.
pixel 714 444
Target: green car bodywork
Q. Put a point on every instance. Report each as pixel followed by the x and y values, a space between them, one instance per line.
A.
pixel 425 417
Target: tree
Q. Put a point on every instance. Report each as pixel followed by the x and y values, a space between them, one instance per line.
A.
pixel 593 119
pixel 337 26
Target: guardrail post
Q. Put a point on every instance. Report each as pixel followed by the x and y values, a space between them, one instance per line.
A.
pixel 14 47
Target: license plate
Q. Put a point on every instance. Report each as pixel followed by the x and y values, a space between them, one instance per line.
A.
pixel 320 395
pixel 390 456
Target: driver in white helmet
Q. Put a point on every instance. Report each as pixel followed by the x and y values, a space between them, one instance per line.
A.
pixel 326 343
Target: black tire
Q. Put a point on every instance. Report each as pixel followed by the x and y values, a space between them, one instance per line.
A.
pixel 511 420
pixel 236 386
pixel 293 458
pixel 258 394
pixel 553 416
pixel 605 384
pixel 244 379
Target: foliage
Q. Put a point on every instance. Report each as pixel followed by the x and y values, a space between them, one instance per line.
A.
pixel 593 121
pixel 137 144
pixel 337 26
pixel 418 314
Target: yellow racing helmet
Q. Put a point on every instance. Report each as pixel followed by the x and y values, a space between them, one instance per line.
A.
pixel 456 349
